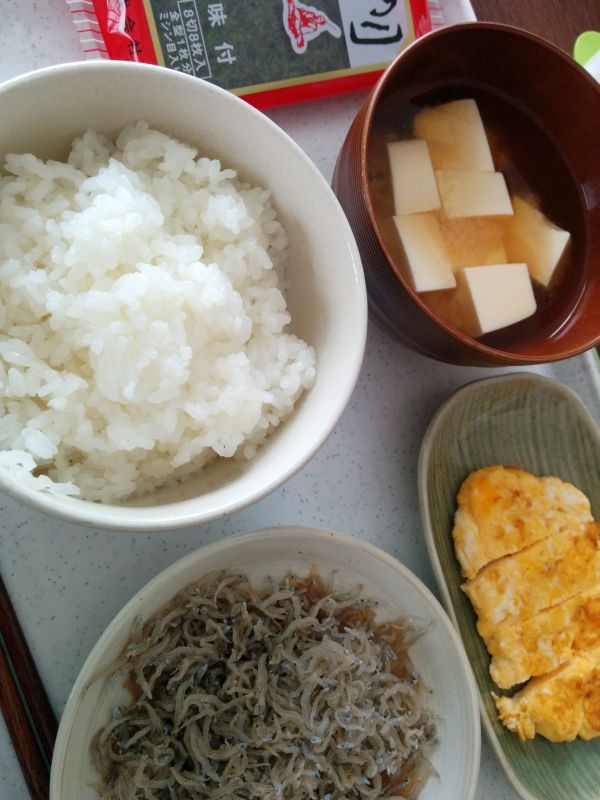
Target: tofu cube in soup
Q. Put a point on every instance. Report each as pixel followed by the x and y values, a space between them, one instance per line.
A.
pixel 473 194
pixel 456 136
pixel 536 240
pixel 426 260
pixel 495 296
pixel 413 182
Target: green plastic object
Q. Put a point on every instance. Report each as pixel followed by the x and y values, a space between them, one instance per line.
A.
pixel 586 45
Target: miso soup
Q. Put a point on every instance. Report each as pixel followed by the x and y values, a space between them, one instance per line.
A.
pixel 534 171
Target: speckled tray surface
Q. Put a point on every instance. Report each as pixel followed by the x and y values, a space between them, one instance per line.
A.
pixel 534 422
pixel 68 582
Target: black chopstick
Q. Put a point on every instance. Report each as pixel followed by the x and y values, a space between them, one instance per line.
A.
pixel 24 704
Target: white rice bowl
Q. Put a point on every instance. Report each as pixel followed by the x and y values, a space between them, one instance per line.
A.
pixel 142 319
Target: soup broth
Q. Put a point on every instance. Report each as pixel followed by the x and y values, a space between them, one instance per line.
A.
pixel 534 169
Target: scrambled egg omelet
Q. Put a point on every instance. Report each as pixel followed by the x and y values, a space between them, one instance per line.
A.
pixel 547 640
pixel 528 548
pixel 516 587
pixel 559 706
pixel 501 510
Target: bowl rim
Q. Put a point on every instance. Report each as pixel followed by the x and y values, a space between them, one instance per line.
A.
pixel 487 352
pixel 197 556
pixel 182 513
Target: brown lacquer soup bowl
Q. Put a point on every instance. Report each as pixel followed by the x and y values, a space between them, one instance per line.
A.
pixel 541 114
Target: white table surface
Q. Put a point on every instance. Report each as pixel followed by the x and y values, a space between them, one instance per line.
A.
pixel 67 582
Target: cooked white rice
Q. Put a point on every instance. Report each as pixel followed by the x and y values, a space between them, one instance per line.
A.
pixel 141 317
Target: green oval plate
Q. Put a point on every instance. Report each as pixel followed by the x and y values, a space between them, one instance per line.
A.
pixel 533 422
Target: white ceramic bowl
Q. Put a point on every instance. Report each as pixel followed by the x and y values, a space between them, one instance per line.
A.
pixel 437 656
pixel 43 111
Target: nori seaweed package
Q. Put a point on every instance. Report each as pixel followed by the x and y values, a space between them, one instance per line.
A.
pixel 271 52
